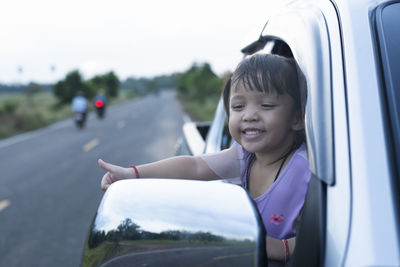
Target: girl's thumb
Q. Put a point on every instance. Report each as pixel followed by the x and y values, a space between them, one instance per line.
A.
pixel 108 166
pixel 103 164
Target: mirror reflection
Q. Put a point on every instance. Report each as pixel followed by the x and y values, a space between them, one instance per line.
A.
pixel 189 221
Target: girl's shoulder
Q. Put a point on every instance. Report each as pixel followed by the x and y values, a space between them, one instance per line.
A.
pixel 302 152
pixel 298 165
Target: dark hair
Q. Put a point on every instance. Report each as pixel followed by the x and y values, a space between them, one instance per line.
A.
pixel 270 74
pixel 226 91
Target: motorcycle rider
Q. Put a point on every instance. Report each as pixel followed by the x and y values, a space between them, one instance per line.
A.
pixel 79 105
pixel 100 101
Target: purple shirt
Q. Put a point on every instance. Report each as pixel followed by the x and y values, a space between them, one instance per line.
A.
pixel 281 204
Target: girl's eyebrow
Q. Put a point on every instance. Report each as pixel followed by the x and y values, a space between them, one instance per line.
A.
pixel 262 95
pixel 236 96
pixel 272 96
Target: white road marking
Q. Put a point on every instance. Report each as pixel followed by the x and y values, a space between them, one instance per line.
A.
pixel 231 256
pixel 4 204
pixel 91 145
pixel 121 124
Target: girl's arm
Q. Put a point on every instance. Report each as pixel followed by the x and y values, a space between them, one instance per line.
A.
pixel 181 167
pixel 223 164
pixel 276 249
pixel 189 167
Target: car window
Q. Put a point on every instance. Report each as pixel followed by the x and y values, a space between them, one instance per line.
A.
pixel 387 28
pixel 226 137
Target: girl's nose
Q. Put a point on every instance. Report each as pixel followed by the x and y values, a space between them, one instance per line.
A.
pixel 250 115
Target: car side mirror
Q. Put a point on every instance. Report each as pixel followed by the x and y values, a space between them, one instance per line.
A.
pixel 170 222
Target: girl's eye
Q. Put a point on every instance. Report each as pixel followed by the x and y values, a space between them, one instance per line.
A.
pixel 237 107
pixel 267 106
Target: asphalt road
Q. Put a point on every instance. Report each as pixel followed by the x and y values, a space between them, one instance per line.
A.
pixel 182 257
pixel 50 181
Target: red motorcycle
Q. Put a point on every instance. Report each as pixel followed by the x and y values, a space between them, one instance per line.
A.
pixel 100 108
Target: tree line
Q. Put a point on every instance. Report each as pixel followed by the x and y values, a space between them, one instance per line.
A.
pixel 128 230
pixel 66 89
pixel 197 84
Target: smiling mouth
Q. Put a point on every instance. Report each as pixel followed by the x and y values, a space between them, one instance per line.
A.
pixel 252 132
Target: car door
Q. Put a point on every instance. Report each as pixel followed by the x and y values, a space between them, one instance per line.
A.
pixel 351 126
pixel 303 32
pixel 310 33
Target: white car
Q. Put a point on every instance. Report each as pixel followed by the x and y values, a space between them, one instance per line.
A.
pixel 349 51
pixel 350 54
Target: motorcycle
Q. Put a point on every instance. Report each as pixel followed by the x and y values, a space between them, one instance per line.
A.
pixel 100 108
pixel 80 118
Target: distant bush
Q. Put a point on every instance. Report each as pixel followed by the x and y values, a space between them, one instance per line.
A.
pixel 20 112
pixel 199 89
pixel 8 107
pixel 108 82
pixel 199 83
pixel 142 85
pixel 31 121
pixel 66 89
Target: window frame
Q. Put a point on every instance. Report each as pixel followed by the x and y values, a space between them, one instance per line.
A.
pixel 390 88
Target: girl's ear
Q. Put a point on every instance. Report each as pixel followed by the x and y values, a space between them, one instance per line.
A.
pixel 298 122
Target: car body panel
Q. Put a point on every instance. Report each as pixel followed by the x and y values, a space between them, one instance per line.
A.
pixel 374 237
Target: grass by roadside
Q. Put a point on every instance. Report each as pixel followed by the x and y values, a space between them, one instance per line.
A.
pixel 20 112
pixel 199 111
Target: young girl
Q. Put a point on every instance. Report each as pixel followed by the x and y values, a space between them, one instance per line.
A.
pixel 264 100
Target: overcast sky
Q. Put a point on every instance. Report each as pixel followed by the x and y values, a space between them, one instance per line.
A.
pixel 42 40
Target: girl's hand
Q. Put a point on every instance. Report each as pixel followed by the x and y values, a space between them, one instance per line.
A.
pixel 114 173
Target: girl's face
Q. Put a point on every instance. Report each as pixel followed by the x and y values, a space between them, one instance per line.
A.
pixel 262 123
